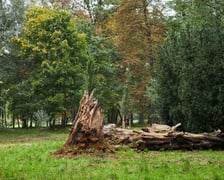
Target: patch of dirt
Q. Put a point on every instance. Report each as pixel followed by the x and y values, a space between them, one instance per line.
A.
pixel 94 149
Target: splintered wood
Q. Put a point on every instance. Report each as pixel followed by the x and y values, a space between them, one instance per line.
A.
pixel 163 137
pixel 86 134
pixel 88 124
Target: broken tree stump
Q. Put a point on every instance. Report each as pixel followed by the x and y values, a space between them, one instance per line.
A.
pixel 86 134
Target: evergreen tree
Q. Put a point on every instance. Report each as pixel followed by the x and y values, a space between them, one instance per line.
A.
pixel 191 67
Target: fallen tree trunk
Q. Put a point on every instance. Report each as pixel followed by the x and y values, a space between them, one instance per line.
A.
pixel 159 137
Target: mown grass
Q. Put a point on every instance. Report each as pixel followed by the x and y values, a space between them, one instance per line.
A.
pixel 26 155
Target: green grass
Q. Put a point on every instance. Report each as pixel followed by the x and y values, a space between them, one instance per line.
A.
pixel 26 154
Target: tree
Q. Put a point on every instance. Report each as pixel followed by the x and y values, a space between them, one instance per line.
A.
pixel 101 69
pixel 11 20
pixel 40 116
pixel 139 30
pixel 54 53
pixel 191 65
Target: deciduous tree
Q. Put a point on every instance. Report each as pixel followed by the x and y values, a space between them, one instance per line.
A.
pixel 139 30
pixel 54 53
pixel 11 20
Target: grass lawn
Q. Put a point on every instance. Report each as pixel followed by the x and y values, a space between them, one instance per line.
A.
pixel 25 154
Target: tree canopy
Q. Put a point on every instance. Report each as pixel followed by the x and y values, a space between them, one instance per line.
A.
pixel 190 72
pixel 53 55
pixel 145 64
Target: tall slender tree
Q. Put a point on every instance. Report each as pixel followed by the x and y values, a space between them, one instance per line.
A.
pixel 11 20
pixel 139 30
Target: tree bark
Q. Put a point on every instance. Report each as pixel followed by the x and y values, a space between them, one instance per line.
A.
pixel 88 124
pixel 86 134
pixel 164 137
pixel 13 122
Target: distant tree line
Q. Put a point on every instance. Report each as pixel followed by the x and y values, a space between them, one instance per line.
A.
pixel 145 64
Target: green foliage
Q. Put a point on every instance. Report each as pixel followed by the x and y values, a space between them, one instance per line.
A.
pixel 101 69
pixel 54 52
pixel 11 13
pixel 21 100
pixel 138 30
pixel 11 20
pixel 191 67
pixel 40 116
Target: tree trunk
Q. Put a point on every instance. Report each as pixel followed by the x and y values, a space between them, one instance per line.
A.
pixel 31 123
pixel 53 122
pixel 13 122
pixel 112 115
pixel 5 118
pixel 18 122
pixel 86 134
pixel 24 123
pixel 64 120
pixel 73 109
pixel 141 118
pixel 164 137
pixel 123 121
